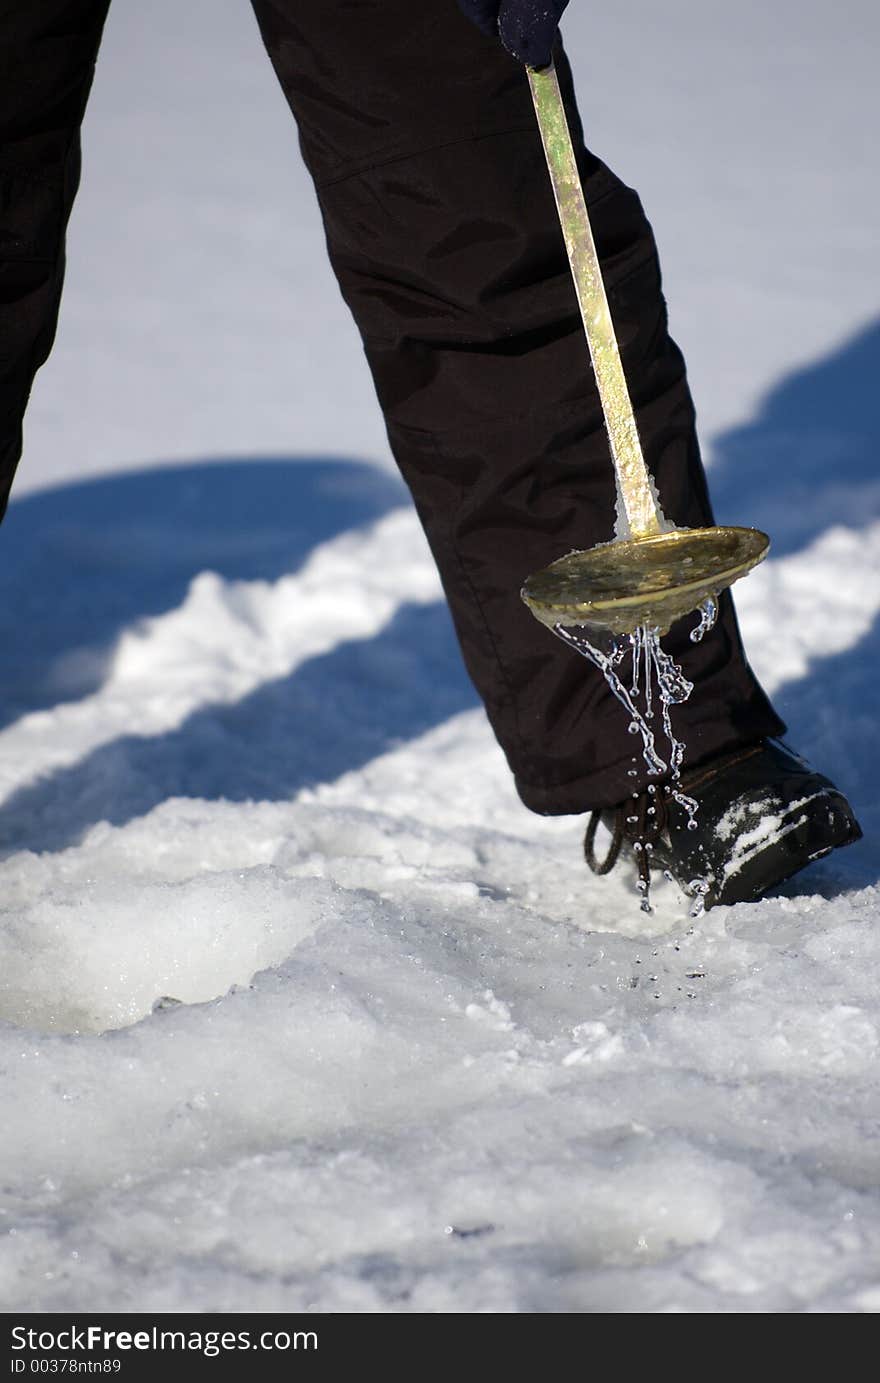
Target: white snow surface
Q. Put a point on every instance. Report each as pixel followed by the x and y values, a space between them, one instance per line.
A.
pixel 301 1009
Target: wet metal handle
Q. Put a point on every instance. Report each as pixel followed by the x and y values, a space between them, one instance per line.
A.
pixel 633 482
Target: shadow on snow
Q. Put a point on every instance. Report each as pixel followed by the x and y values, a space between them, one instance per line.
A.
pixel 332 714
pixel 808 461
pixel 81 563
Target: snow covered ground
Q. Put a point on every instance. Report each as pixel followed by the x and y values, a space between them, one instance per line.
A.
pixel 301 1009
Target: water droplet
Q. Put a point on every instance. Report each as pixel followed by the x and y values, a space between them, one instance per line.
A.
pixel 654 675
pixel 708 616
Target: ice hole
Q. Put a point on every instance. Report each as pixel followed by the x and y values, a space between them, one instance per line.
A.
pixel 107 955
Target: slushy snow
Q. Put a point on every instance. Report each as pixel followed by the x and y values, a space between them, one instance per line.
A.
pixel 301 1009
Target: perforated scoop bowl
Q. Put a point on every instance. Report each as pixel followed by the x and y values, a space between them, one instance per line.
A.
pixel 649 581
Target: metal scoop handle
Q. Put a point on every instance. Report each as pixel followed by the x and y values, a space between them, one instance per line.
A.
pixel 633 482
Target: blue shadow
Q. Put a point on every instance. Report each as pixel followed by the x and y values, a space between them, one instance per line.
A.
pixel 333 714
pixel 809 459
pixel 832 714
pixel 81 563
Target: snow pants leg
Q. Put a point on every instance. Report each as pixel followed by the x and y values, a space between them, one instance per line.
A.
pixel 441 228
pixel 47 59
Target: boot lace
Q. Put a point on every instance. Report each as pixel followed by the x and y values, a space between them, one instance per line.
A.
pixel 638 822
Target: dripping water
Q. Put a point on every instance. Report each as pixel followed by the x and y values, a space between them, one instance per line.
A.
pixel 708 616
pixel 638 672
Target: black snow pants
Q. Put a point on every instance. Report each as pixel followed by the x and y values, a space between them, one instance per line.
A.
pixel 441 228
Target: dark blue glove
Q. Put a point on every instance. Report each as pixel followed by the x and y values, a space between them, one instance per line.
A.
pixel 527 28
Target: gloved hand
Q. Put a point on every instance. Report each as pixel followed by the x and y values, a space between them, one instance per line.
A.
pixel 527 28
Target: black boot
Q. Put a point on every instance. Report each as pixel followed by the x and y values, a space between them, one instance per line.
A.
pixel 761 813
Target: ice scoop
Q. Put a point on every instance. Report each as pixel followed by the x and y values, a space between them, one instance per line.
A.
pixel 651 573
